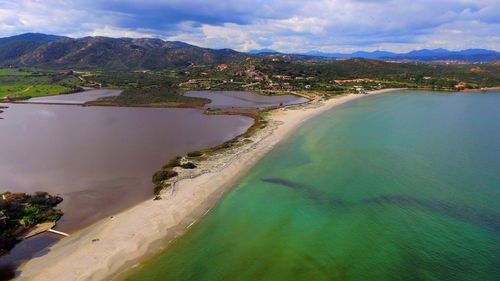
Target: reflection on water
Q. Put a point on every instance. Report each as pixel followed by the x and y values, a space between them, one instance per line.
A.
pixel 99 159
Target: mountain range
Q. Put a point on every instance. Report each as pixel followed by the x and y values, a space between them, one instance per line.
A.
pixel 52 51
pixel 428 55
pixel 34 49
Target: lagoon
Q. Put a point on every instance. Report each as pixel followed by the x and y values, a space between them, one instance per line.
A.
pixel 78 98
pixel 95 156
pixel 99 159
pixel 238 99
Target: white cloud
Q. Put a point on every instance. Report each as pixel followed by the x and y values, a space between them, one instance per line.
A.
pixel 111 31
pixel 291 26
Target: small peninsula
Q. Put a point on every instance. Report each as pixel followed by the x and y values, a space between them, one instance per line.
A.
pixel 21 212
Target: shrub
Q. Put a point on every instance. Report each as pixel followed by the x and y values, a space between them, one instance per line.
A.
pixel 157 189
pixel 195 154
pixel 188 165
pixel 163 175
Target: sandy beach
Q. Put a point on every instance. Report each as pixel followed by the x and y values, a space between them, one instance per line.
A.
pixel 113 245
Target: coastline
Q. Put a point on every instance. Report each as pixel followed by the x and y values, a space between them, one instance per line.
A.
pixel 496 88
pixel 115 244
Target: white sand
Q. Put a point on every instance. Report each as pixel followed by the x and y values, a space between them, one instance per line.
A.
pixel 113 245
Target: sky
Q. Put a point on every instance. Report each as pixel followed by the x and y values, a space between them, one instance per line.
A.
pixel 283 25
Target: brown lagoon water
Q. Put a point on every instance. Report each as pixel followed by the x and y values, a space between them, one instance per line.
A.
pixel 230 99
pixel 99 159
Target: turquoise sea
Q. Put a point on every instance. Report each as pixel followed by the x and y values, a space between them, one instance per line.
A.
pixel 400 186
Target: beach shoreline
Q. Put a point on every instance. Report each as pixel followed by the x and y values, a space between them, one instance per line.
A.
pixel 113 245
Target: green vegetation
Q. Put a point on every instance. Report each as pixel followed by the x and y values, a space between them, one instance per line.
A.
pixel 20 211
pixel 143 88
pixel 13 72
pixel 152 96
pixel 129 79
pixel 111 53
pixel 157 189
pixel 22 91
pixel 163 175
pixel 194 154
pixel 188 165
pixel 24 84
pixel 281 74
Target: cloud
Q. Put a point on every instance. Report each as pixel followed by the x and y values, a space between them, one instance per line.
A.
pixel 292 26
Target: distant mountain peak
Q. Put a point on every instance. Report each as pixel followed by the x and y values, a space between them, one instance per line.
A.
pixel 180 44
pixel 263 51
pixel 473 55
pixel 30 37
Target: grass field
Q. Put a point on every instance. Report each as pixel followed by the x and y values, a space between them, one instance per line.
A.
pixel 13 72
pixel 19 84
pixel 25 91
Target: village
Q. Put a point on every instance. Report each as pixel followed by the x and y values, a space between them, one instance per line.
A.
pixel 252 79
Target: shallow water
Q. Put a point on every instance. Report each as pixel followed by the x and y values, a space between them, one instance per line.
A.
pixel 99 159
pixel 402 186
pixel 235 99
